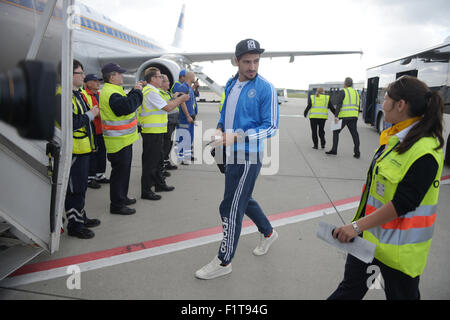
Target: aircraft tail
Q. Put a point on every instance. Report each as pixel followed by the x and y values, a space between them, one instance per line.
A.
pixel 178 37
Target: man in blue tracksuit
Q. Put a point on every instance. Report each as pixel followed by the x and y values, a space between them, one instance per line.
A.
pixel 249 116
pixel 185 128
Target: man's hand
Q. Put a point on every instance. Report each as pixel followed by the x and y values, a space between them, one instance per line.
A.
pixel 95 111
pixel 229 138
pixel 190 120
pixel 138 86
pixel 185 97
pixel 336 119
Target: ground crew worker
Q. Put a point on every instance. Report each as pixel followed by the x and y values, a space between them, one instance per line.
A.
pixel 179 83
pixel 398 205
pixel 185 129
pixel 119 124
pixel 153 121
pixel 347 109
pixel 83 145
pixel 97 165
pixel 249 115
pixel 318 105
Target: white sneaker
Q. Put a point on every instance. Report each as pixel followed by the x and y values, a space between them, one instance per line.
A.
pixel 213 270
pixel 265 243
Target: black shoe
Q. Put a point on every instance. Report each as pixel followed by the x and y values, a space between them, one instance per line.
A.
pixel 357 155
pixel 193 159
pixel 91 223
pixel 94 184
pixel 315 147
pixel 125 211
pixel 184 163
pixel 103 180
pixel 82 233
pixel 151 196
pixel 323 146
pixel 166 174
pixel 163 187
pixel 170 167
pixel 331 152
pixel 130 201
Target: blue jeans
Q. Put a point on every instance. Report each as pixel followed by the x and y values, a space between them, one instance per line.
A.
pixel 239 183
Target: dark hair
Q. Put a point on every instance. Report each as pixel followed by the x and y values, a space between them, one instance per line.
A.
pixel 107 75
pixel 348 82
pixel 77 64
pixel 150 72
pixel 422 103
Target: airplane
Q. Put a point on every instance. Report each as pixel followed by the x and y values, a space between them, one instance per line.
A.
pixel 98 40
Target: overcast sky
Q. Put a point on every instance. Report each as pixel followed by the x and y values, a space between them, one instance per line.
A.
pixel 383 29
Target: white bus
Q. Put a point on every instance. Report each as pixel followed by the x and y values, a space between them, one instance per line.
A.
pixel 430 65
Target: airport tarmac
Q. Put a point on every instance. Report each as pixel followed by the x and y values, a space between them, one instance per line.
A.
pixel 155 253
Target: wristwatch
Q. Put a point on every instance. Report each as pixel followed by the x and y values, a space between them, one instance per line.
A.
pixel 355 226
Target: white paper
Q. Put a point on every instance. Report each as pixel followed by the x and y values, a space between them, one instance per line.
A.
pixel 359 248
pixel 335 126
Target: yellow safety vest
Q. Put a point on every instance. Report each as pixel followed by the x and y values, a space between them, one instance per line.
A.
pixel 403 243
pixel 319 108
pixel 82 143
pixel 118 132
pixel 152 120
pixel 222 100
pixel 350 105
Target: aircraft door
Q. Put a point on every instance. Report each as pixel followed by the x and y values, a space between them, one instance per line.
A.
pixel 371 100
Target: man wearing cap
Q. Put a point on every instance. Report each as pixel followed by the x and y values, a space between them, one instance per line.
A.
pixel 153 120
pixel 82 147
pixel 97 165
pixel 248 117
pixel 119 124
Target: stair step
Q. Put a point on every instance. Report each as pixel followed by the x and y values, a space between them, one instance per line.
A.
pixel 15 257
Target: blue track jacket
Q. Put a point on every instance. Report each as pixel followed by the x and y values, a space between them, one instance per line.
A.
pixel 256 116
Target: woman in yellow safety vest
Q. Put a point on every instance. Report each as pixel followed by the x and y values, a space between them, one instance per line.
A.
pixel 318 105
pixel 398 206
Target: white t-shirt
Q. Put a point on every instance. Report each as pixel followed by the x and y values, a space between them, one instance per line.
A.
pixel 232 101
pixel 154 100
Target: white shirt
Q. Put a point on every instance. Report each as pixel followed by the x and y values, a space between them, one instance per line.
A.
pixel 154 100
pixel 232 101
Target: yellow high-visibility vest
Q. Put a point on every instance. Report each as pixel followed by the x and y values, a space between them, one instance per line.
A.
pixel 319 106
pixel 350 105
pixel 402 244
pixel 118 132
pixel 152 120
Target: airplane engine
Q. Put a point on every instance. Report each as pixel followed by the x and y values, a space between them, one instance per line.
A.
pixel 166 66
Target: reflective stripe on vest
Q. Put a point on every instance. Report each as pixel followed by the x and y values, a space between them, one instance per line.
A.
pixel 118 131
pixel 350 104
pixel 404 242
pixel 82 143
pixel 152 120
pixel 319 107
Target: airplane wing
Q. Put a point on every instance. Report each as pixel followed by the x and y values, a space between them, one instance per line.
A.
pixel 133 61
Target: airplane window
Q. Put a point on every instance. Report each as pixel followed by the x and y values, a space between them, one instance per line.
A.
pixel 101 28
pixel 109 31
pixel 83 21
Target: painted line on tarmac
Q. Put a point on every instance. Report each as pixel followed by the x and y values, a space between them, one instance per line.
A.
pixel 53 269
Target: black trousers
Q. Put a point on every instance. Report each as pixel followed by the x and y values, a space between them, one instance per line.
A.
pixel 317 126
pixel 351 124
pixel 76 191
pixel 97 163
pixel 120 176
pixel 168 141
pixel 397 285
pixel 152 161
